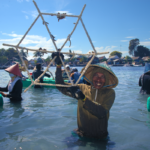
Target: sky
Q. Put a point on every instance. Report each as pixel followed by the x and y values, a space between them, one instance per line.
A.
pixel 111 24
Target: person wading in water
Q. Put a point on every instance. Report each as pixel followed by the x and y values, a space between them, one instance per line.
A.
pixel 14 86
pixel 94 100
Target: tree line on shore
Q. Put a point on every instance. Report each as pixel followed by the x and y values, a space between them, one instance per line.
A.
pixel 135 49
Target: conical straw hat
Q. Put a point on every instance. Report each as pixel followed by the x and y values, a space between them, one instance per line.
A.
pixel 111 78
pixel 14 69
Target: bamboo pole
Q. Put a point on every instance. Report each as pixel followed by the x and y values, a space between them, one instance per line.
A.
pixel 69 36
pixel 55 14
pixel 86 67
pixel 66 70
pixel 24 65
pixel 59 85
pixel 88 35
pixel 28 87
pixel 45 24
pixel 28 30
pixel 19 47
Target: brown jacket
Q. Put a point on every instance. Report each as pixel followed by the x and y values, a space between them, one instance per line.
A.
pixel 92 116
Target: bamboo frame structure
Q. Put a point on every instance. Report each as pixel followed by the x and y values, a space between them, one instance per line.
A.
pixel 93 54
pixel 43 51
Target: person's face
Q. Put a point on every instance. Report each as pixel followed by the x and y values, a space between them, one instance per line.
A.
pixel 98 80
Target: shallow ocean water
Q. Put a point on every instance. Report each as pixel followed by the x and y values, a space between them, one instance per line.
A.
pixel 46 118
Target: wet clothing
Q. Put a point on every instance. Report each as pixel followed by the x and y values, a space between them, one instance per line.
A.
pixel 93 114
pixel 15 92
pixel 144 82
pixel 36 74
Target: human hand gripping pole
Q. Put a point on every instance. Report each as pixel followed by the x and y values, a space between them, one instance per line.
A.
pixel 76 93
pixel 57 60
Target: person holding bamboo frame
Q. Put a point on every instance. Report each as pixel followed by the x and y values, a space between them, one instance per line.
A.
pixel 94 99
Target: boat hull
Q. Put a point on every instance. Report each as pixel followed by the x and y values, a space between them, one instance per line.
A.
pixel 27 82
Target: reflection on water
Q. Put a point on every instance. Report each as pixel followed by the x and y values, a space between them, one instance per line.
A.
pixel 45 118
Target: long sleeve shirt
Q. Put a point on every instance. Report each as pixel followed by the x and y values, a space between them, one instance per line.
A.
pixel 92 116
pixel 15 94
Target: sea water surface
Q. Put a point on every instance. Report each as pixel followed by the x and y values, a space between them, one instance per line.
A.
pixel 46 118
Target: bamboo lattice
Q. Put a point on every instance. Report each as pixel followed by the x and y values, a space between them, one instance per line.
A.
pixel 56 49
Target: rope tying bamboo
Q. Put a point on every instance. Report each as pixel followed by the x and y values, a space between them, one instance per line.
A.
pixel 59 16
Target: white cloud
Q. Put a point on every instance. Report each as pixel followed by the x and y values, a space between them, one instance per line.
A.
pixel 130 37
pixel 34 13
pixel 33 42
pixel 104 49
pixel 26 17
pixel 147 43
pixel 124 40
pixel 27 0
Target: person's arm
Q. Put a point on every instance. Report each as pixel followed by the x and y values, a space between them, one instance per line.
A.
pixel 59 80
pixel 17 90
pixel 4 89
pixel 95 108
pixel 58 74
pixel 47 75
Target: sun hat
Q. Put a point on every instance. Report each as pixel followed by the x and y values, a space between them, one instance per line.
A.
pixel 14 69
pixel 111 79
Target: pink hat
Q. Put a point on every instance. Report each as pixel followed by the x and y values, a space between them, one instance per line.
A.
pixel 14 69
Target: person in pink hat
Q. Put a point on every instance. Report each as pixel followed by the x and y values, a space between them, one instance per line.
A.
pixel 14 86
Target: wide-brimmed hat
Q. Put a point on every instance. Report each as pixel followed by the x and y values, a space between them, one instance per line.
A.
pixel 110 77
pixel 14 69
pixel 22 68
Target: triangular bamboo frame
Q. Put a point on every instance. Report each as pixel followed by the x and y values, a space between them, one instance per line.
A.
pixel 51 36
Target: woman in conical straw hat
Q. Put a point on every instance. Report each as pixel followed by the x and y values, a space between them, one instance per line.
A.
pixel 94 99
pixel 14 86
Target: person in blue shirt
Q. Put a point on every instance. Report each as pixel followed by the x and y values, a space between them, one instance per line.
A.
pixel 75 76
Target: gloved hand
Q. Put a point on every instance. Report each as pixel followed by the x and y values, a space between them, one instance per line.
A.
pixel 57 60
pixel 76 92
pixel 3 94
pixel 73 90
pixel 79 94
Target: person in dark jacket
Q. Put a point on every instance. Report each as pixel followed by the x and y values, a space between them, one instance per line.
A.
pixel 144 82
pixel 37 72
pixel 14 86
pixel 94 100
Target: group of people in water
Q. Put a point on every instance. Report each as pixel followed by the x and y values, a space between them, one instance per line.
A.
pixel 94 92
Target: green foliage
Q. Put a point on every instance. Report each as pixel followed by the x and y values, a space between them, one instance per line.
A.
pixel 38 53
pixel 48 59
pixel 128 58
pixel 119 54
pixel 24 54
pixel 142 51
pixel 3 60
pixel 132 45
pixel 83 59
pixel 35 61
